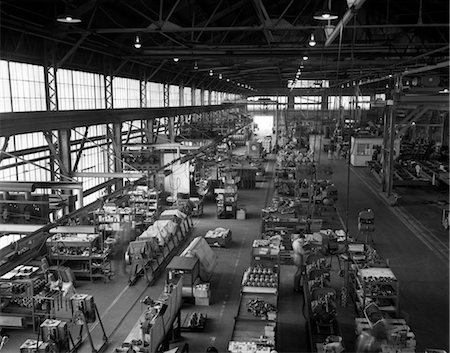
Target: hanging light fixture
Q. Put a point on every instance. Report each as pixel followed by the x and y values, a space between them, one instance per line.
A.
pixel 68 16
pixel 305 57
pixel 211 72
pixel 312 41
pixel 176 59
pixel 195 66
pixel 326 14
pixel 220 76
pixel 137 42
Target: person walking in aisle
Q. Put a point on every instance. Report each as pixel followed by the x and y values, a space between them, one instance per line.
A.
pixel 298 258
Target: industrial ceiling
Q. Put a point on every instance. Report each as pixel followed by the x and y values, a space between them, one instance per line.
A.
pixel 248 46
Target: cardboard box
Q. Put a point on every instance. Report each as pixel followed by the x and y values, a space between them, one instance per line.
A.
pixel 202 290
pixel 241 214
pixel 202 301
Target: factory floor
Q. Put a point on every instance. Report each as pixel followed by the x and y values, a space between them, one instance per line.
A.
pixel 409 235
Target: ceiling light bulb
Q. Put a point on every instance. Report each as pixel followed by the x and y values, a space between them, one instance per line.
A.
pixel 67 18
pixel 137 43
pixel 176 59
pixel 195 66
pixel 305 57
pixel 228 80
pixel 211 72
pixel 312 41
pixel 220 76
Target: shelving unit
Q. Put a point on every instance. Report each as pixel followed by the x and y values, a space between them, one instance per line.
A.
pixel 110 217
pixel 83 253
pixel 146 204
pixel 227 201
pixel 378 285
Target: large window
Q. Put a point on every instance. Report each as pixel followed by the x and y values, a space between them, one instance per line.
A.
pixel 348 102
pixel 308 84
pixel 5 92
pixel 27 87
pixel 307 102
pixel 126 93
pixel 213 97
pixel 155 94
pixel 174 96
pixel 267 102
pixel 198 95
pixel 187 96
pixel 205 97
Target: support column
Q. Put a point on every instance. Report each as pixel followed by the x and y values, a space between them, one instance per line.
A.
pixel 65 167
pixel 166 95
pixel 181 95
pixel 388 144
pixel 109 92
pixel 51 92
pixel 193 100
pixel 143 93
pixel 290 105
pixel 171 129
pixel 202 96
pixel 117 152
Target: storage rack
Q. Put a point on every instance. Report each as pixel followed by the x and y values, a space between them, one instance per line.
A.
pixel 110 217
pixel 83 253
pixel 227 201
pixel 376 285
pixel 146 204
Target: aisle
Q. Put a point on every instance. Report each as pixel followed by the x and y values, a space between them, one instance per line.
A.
pixel 422 273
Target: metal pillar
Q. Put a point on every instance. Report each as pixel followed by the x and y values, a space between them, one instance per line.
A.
pixel 193 102
pixel 117 152
pixel 290 98
pixel 143 93
pixel 109 102
pixel 181 95
pixel 51 92
pixel 166 101
pixel 388 145
pixel 171 129
pixel 209 97
pixel 202 96
pixel 66 166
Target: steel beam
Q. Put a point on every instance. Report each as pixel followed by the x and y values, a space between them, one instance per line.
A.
pixel 109 175
pixel 26 122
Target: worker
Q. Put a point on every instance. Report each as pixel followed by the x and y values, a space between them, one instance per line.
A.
pixel 418 168
pixel 298 258
pixel 3 341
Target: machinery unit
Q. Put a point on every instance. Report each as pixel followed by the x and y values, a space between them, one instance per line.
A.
pixel 56 331
pixel 83 303
pixel 366 224
pixel 143 159
pixel 34 346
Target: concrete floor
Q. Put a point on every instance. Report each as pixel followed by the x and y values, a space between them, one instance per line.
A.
pixel 408 235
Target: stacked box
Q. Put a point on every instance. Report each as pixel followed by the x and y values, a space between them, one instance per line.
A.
pixel 241 214
pixel 202 294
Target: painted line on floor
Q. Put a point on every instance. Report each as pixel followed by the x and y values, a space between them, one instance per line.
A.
pixel 340 219
pixel 418 233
